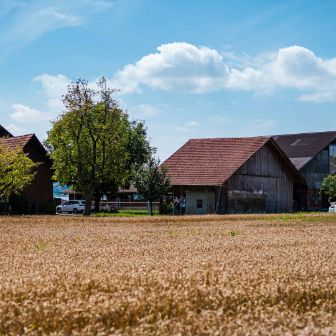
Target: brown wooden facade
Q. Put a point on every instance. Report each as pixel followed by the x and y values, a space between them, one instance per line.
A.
pixel 38 196
pixel 263 184
pixel 263 181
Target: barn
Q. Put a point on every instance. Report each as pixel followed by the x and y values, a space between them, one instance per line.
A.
pixel 233 175
pixel 314 155
pixel 38 197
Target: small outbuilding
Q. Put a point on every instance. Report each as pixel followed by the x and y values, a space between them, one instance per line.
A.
pixel 234 175
pixel 38 196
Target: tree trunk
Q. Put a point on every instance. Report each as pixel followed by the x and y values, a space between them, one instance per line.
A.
pixel 151 207
pixel 161 205
pixel 88 201
pixel 97 202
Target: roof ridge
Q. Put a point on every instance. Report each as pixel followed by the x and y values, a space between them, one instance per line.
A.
pixel 319 132
pixel 23 135
pixel 234 138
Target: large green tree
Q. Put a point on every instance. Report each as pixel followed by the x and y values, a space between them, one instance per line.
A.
pixel 329 186
pixel 17 172
pixel 151 181
pixel 138 151
pixel 89 142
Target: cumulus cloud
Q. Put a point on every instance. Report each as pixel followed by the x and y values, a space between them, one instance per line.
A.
pixel 53 86
pixel 25 114
pixel 176 66
pixel 183 67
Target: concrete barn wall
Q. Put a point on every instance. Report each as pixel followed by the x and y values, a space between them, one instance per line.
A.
pixel 206 194
pixel 264 174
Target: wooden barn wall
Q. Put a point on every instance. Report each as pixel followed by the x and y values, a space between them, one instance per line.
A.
pixel 315 171
pixel 40 192
pixel 265 172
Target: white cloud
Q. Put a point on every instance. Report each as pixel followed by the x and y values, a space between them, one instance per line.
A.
pixel 192 124
pixel 176 66
pixel 184 67
pixel 189 127
pixel 27 115
pixel 16 130
pixel 145 110
pixel 25 21
pixel 259 127
pixel 328 95
pixel 53 86
pixel 52 89
pixel 31 24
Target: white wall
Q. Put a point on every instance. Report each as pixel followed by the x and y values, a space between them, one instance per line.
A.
pixel 206 194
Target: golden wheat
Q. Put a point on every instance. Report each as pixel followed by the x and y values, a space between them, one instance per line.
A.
pixel 210 275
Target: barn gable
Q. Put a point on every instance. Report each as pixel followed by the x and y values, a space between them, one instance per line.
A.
pixel 38 195
pixel 264 183
pixel 233 175
pixel 4 132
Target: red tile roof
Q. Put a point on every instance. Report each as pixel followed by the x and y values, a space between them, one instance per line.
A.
pixel 210 161
pixel 16 142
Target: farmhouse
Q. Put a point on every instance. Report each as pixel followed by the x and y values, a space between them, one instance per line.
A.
pixel 314 155
pixel 38 196
pixel 234 175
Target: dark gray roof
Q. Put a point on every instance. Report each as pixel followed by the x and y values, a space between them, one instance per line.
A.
pixel 4 132
pixel 303 147
pixel 304 144
pixel 300 162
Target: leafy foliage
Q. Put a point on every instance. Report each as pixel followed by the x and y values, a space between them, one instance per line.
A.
pixel 89 142
pixel 152 181
pixel 16 172
pixel 329 186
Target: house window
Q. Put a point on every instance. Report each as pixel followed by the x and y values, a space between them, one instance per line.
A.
pixel 138 197
pixel 332 154
pixel 199 204
pixel 332 150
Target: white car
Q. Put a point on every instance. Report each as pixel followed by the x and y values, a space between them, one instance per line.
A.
pixel 332 208
pixel 74 207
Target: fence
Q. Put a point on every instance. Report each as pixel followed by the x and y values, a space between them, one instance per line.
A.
pixel 129 205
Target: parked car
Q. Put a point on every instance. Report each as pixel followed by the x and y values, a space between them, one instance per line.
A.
pixel 332 208
pixel 71 207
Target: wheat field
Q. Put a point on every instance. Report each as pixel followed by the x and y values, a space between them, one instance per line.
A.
pixel 210 275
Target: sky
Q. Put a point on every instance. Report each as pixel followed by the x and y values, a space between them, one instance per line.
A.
pixel 189 69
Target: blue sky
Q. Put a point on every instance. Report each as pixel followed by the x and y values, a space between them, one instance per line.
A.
pixel 189 68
